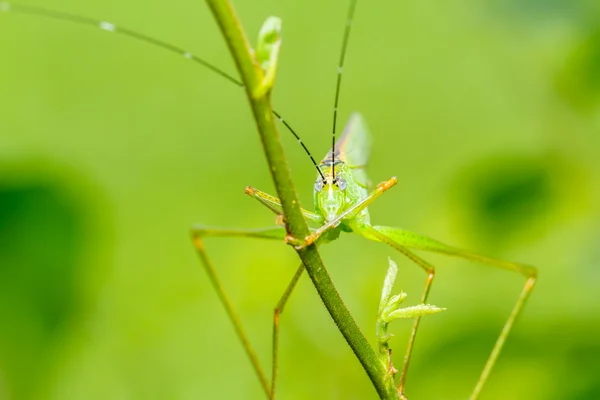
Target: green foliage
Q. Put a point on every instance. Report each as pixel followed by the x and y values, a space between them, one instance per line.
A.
pixel 389 310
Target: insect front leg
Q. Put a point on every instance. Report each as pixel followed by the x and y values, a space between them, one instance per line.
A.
pixel 274 204
pixel 351 213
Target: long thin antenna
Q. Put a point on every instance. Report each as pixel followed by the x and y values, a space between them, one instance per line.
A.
pixel 110 27
pixel 301 144
pixel 340 69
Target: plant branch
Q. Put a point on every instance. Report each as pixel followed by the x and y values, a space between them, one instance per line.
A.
pixel 296 225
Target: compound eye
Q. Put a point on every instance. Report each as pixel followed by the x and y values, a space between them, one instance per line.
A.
pixel 319 185
pixel 341 183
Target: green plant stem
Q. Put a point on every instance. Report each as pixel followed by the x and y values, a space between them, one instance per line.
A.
pixel 251 76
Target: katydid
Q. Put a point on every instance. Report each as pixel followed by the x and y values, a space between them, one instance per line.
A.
pixel 341 200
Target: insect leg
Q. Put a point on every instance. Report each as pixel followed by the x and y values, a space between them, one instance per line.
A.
pixel 198 233
pixel 274 204
pixel 370 233
pixel 402 239
pixel 277 312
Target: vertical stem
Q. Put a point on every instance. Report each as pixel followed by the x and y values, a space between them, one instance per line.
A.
pixel 250 71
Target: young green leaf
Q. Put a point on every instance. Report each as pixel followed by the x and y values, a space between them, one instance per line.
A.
pixel 267 54
pixel 389 310
pixel 388 284
pixel 413 312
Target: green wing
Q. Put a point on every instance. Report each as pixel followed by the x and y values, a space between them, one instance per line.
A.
pixel 354 147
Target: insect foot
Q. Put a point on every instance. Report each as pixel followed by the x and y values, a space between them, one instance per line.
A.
pixel 280 220
pixel 383 186
pixel 298 244
pixel 308 240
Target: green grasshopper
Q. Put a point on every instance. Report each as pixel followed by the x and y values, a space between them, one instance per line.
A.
pixel 341 200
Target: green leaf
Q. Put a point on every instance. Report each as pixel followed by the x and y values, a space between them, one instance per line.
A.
pixel 388 284
pixel 392 304
pixel 267 54
pixel 413 312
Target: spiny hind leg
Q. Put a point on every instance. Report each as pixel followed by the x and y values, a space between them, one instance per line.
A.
pixel 529 284
pixel 406 239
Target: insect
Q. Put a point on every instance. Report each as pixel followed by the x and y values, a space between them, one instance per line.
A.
pixel 341 197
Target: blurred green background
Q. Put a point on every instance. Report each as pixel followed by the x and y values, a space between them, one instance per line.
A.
pixel 487 111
